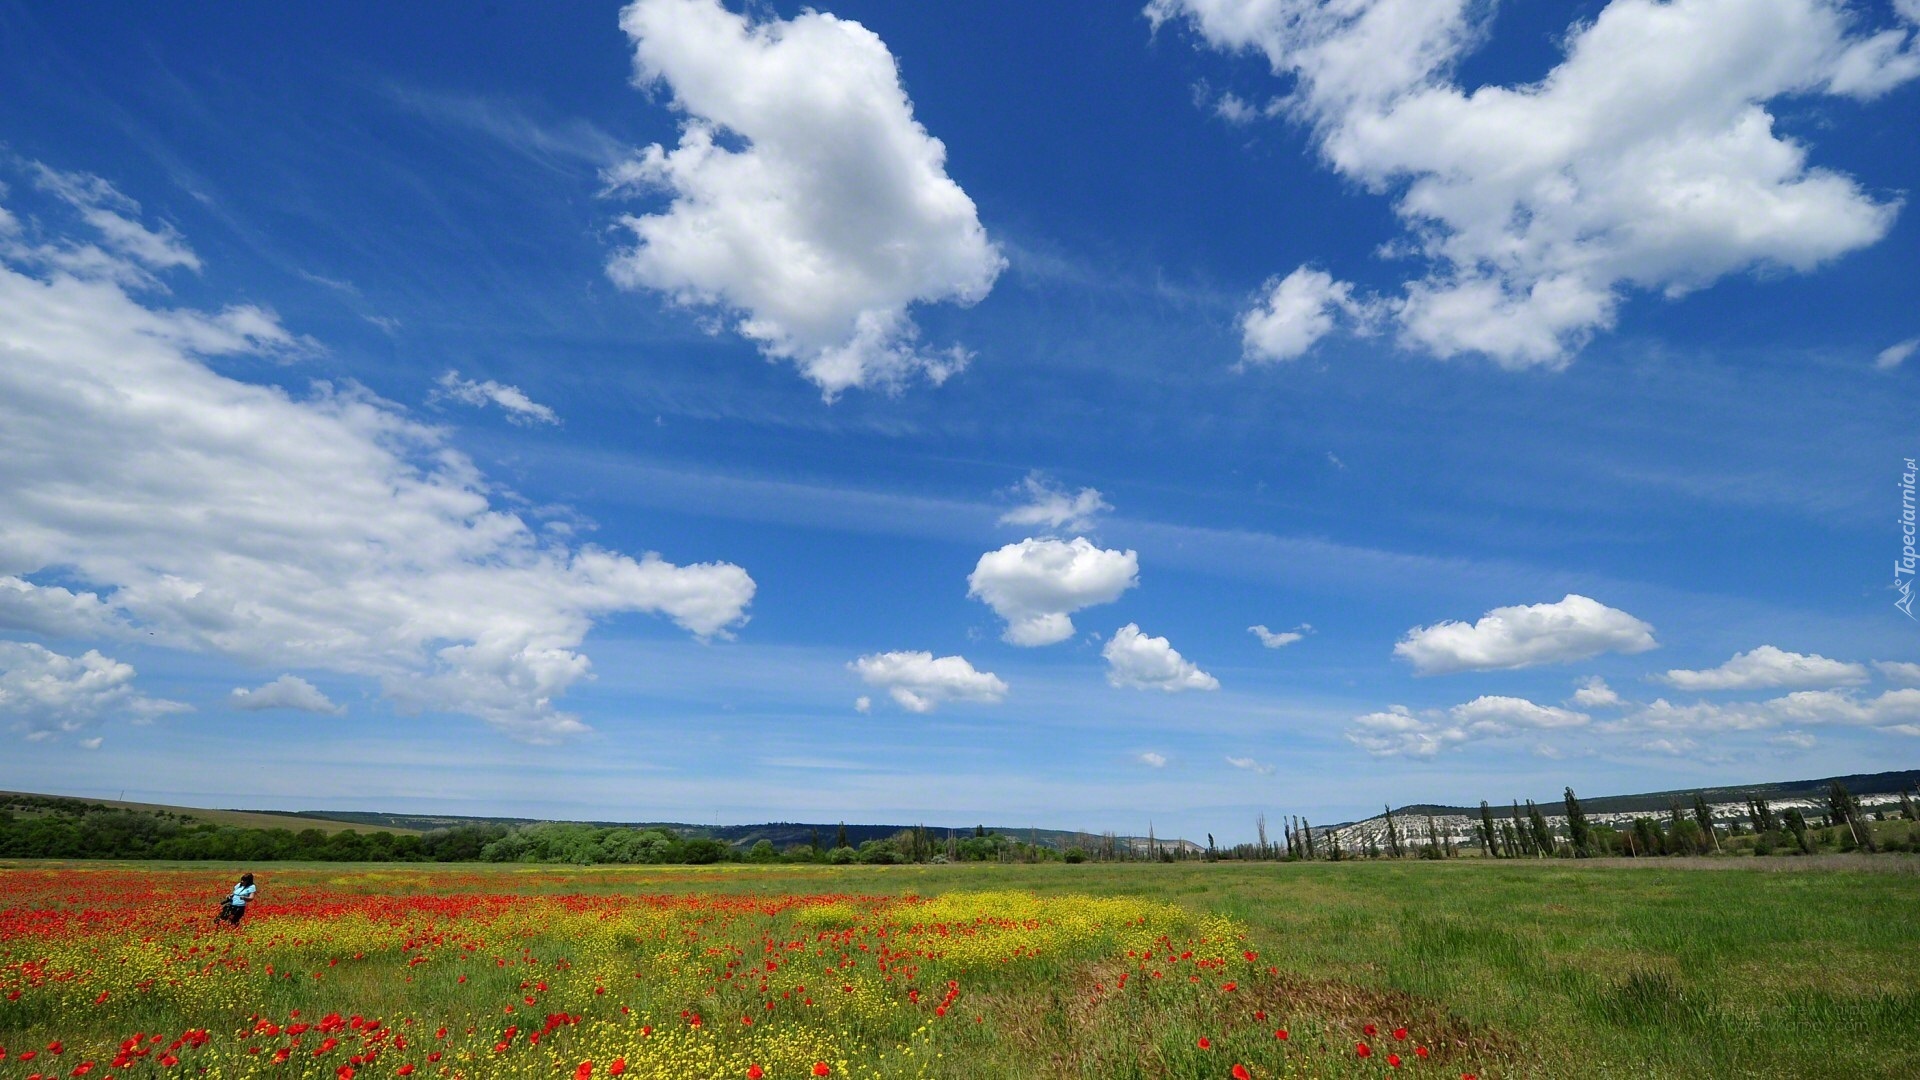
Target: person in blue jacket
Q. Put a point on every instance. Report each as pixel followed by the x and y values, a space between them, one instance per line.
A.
pixel 236 905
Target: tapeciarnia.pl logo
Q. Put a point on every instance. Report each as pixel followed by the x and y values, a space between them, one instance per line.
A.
pixel 1903 566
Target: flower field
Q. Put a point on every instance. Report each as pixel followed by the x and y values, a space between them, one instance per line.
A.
pixel 430 973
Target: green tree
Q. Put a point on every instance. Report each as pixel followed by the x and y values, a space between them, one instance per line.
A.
pixel 1393 834
pixel 1488 836
pixel 1796 823
pixel 1703 817
pixel 1577 829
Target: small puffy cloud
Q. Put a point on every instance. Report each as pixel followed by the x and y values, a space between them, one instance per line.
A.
pixel 1900 671
pixel 1250 765
pixel 863 704
pixel 520 408
pixel 285 692
pixel 1894 355
pixel 1235 109
pixel 918 682
pixel 1037 583
pixel 1281 639
pixel 91 744
pixel 1646 160
pixel 1150 663
pixel 1152 760
pixel 1496 715
pixel 1050 506
pixel 1573 628
pixel 1294 313
pixel 1767 668
pixel 1398 732
pixel 47 694
pixel 807 202
pixel 1594 693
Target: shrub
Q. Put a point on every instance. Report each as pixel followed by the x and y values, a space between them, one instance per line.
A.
pixel 1075 855
pixel 841 856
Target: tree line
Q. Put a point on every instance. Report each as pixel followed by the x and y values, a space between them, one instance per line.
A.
pixel 48 827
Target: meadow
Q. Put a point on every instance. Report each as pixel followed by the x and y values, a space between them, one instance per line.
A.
pixel 1475 968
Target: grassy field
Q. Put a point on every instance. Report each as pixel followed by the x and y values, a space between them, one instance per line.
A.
pixel 1767 968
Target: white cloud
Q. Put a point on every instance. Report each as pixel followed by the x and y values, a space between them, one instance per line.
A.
pixel 1281 639
pixel 285 692
pixel 520 408
pixel 1494 715
pixel 807 200
pixel 1645 160
pixel 1594 693
pixel 48 694
pixel 1574 628
pixel 1053 507
pixel 1670 747
pixel 1294 313
pixel 1235 109
pixel 1894 710
pixel 1767 667
pixel 1037 583
pixel 1150 663
pixel 1797 740
pixel 53 611
pixel 1399 732
pixel 918 682
pixel 1899 671
pixel 1152 760
pixel 92 743
pixel 1250 765
pixel 863 704
pixel 1894 355
pixel 326 530
pixel 112 215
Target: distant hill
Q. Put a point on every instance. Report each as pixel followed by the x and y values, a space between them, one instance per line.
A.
pixel 26 803
pixel 780 833
pixel 1727 804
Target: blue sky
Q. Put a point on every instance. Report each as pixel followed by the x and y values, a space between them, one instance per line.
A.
pixel 354 360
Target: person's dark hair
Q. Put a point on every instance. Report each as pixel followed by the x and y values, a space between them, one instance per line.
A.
pixel 246 879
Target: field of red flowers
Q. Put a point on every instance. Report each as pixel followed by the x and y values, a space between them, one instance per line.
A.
pixel 124 973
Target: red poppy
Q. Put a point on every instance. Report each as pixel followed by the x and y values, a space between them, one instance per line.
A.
pixel 1205 1043
pixel 1400 1033
pixel 1370 1030
pixel 1420 1051
pixel 616 1066
pixel 584 1071
pixel 1393 1061
pixel 1281 1034
pixel 1240 1073
pixel 820 1068
pixel 755 1072
pixel 1362 1050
